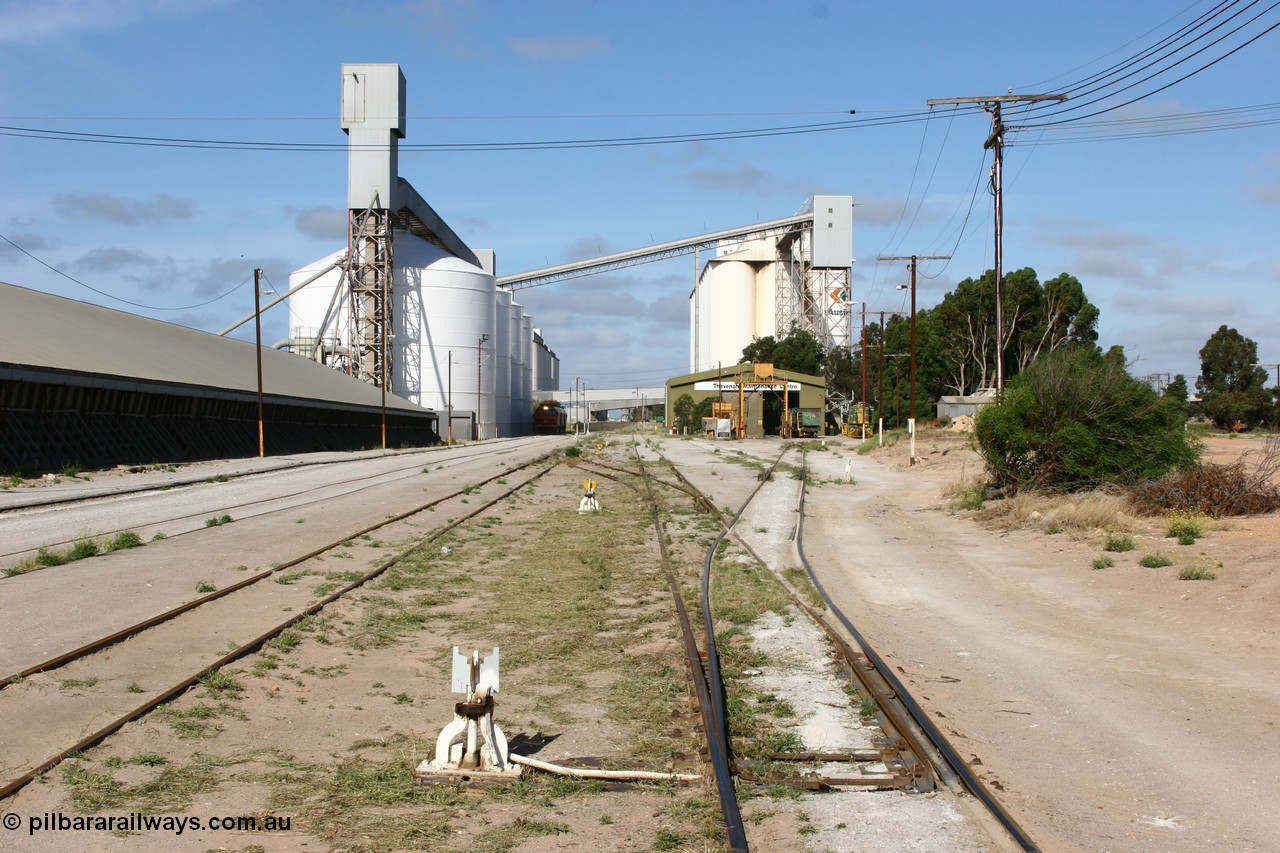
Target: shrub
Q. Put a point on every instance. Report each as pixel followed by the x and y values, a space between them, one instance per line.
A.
pixel 573 452
pixel 1155 561
pixel 966 495
pixel 124 539
pixel 1244 487
pixel 1198 572
pixel 1103 563
pixel 1184 525
pixel 84 548
pixel 1119 542
pixel 1075 419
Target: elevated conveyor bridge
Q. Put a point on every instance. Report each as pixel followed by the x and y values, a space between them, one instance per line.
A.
pixel 656 252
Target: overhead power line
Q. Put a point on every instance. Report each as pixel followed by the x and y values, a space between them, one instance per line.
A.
pixel 1165 62
pixel 510 145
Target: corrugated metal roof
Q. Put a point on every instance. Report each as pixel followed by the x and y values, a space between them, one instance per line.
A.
pixel 54 334
pixel 730 372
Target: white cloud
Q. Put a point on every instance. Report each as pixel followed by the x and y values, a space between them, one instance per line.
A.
pixel 125 211
pixel 322 223
pixel 34 23
pixel 558 48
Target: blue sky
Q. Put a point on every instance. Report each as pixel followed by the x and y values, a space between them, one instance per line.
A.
pixel 1172 235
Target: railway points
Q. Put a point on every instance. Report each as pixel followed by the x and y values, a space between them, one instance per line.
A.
pixel 601 681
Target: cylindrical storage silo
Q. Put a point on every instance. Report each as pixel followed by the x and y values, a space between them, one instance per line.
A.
pixel 516 321
pixel 526 381
pixel 444 318
pixel 502 361
pixel 730 310
pixel 309 307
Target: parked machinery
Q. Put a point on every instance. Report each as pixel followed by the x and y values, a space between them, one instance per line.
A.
pixel 549 418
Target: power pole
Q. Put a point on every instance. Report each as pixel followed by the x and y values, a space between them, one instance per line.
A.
pixel 991 104
pixel 911 265
pixel 865 411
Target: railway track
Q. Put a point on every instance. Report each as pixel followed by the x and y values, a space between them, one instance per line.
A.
pixel 914 747
pixel 171 618
pixel 146 503
pixel 702 657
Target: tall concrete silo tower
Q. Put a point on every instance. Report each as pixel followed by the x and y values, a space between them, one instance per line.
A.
pixel 373 118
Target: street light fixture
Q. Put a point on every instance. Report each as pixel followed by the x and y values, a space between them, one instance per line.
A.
pixel 911 423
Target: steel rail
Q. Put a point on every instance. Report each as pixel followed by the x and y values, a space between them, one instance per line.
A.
pixel 235 475
pixel 704 504
pixel 124 633
pixel 712 724
pixel 955 763
pixel 12 787
pixel 389 477
pixel 714 721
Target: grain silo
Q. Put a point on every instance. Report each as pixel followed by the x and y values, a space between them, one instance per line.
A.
pixel 408 305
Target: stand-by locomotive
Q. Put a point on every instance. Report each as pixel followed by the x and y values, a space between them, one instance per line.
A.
pixel 549 417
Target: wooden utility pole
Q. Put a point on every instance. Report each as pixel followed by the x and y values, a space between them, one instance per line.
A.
pixel 865 410
pixel 991 104
pixel 911 265
pixel 257 335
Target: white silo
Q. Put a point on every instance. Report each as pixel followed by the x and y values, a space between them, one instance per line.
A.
pixel 502 362
pixel 729 309
pixel 309 307
pixel 516 324
pixel 526 377
pixel 444 315
pixel 546 369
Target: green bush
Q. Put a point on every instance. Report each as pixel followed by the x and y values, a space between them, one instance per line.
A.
pixel 1075 419
pixel 1103 563
pixel 1155 561
pixel 1119 542
pixel 1197 573
pixel 1181 525
pixel 124 539
pixel 84 548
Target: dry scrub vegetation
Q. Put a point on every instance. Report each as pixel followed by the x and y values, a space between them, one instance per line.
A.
pixel 1246 486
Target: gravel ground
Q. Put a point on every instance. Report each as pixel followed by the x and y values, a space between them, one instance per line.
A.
pixel 1114 710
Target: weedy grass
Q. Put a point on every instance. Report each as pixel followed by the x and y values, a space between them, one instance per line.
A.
pixel 85 546
pixel 1155 561
pixel 1186 527
pixel 1103 563
pixel 1118 542
pixel 172 790
pixel 220 683
pixel 1203 569
pixel 965 495
pixel 194 722
pixel 1079 515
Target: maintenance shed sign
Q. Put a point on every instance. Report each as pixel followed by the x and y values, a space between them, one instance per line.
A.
pixel 723 385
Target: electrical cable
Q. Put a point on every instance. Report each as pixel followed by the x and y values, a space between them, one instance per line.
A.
pixel 1150 77
pixel 531 145
pixel 117 298
pixel 1043 83
pixel 1077 90
pixel 1210 121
